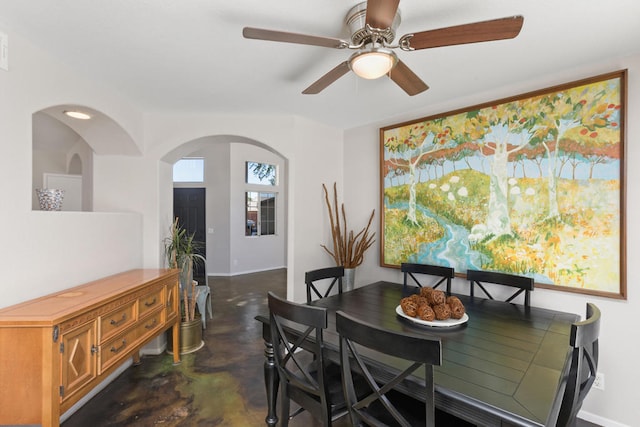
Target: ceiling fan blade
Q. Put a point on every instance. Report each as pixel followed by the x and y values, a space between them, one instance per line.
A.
pixel 407 79
pixel 324 81
pixel 380 13
pixel 496 29
pixel 282 36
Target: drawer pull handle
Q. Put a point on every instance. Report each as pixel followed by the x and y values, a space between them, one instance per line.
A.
pixel 117 322
pixel 149 304
pixel 117 349
pixel 152 324
pixel 94 349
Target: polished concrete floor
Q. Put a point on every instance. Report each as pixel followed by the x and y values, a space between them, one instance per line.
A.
pixel 219 385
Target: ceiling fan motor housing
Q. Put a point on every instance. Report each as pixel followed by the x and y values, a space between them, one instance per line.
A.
pixel 355 20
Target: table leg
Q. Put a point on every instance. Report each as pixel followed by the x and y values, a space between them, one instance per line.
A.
pixel 271 382
pixel 175 336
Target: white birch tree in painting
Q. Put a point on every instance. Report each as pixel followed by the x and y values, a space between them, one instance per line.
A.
pixel 408 147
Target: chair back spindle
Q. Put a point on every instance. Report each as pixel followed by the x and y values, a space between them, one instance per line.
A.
pixel 580 371
pixel 443 274
pixel 297 341
pixel 522 283
pixel 314 277
pixel 381 405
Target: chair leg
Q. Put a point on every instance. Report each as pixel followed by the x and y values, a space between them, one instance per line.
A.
pixel 209 306
pixel 204 298
pixel 285 406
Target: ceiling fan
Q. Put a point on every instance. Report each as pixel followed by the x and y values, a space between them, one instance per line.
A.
pixel 373 28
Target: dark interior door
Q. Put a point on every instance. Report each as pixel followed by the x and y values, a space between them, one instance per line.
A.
pixel 189 207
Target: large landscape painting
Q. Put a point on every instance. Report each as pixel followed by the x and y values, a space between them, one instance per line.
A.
pixel 531 185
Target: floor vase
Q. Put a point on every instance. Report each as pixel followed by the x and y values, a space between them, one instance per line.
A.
pixel 190 337
pixel 348 281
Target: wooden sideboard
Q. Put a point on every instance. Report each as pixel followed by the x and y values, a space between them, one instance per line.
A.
pixel 57 348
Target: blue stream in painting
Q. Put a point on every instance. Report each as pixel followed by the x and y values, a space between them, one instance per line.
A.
pixel 452 250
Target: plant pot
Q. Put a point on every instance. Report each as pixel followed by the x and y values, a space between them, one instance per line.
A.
pixel 50 199
pixel 190 337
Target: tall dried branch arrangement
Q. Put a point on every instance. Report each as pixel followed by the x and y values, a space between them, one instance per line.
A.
pixel 348 248
pixel 189 309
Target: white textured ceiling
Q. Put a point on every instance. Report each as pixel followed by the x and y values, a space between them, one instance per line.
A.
pixel 190 56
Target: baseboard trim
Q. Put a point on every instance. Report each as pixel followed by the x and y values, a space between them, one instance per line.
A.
pixel 155 347
pixel 601 421
pixel 108 380
pixel 240 273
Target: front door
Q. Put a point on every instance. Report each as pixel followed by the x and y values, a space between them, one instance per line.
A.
pixel 189 207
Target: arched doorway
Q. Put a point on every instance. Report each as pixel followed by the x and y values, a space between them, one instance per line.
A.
pixel 229 250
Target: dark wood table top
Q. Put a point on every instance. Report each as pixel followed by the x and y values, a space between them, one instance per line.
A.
pixel 501 367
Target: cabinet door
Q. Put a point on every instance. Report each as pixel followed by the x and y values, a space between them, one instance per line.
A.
pixel 78 359
pixel 172 301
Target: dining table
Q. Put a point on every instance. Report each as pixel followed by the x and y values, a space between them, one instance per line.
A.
pixel 501 364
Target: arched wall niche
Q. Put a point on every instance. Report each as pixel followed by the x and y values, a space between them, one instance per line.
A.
pixel 104 135
pixel 75 165
pixel 229 251
pixel 63 149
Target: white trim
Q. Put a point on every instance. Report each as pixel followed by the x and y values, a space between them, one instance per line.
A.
pixel 97 389
pixel 239 273
pixel 601 421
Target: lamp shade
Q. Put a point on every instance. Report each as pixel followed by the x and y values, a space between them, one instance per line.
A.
pixel 372 63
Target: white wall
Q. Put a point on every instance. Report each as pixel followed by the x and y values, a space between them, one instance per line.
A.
pixel 216 181
pixel 619 347
pixel 254 253
pixel 49 251
pixel 45 161
pixel 81 156
pixel 318 161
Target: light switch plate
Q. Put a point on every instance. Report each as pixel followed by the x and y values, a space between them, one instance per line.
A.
pixel 4 51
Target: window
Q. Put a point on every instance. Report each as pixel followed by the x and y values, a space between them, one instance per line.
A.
pixel 261 173
pixel 189 169
pixel 260 213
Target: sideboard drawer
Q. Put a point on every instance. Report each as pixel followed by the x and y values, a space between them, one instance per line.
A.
pixel 117 320
pixel 111 351
pixel 150 325
pixel 151 301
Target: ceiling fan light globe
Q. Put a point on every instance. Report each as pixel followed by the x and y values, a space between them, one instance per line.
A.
pixel 372 64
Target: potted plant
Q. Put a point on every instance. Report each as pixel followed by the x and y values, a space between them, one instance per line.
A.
pixel 181 252
pixel 348 248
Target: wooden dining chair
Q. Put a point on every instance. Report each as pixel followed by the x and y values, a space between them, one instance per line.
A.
pixel 580 373
pixel 313 279
pixel 522 283
pixel 383 405
pixel 441 273
pixel 305 376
